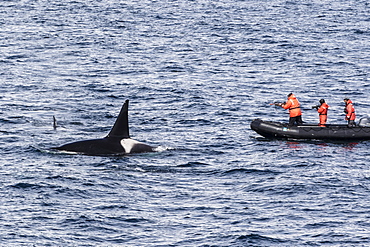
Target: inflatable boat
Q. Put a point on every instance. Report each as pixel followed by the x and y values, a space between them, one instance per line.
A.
pixel 338 132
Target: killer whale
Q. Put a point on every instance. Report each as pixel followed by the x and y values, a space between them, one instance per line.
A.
pixel 117 142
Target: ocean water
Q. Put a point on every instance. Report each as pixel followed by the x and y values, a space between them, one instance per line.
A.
pixel 196 74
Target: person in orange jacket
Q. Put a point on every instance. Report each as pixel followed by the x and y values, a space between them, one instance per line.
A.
pixel 322 109
pixel 294 107
pixel 350 112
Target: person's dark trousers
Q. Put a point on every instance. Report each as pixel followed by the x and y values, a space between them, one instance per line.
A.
pixel 295 120
pixel 351 123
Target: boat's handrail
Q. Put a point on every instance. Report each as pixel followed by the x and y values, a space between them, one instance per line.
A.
pixel 333 127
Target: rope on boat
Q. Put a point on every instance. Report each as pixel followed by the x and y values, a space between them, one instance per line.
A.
pixel 317 129
pixel 310 128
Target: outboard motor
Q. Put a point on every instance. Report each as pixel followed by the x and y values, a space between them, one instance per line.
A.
pixel 364 122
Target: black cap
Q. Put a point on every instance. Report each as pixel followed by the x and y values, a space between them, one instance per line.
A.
pixel 322 101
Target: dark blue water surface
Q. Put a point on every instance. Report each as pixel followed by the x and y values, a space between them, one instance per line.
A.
pixel 196 74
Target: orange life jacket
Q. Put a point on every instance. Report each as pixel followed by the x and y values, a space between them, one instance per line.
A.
pixel 323 114
pixel 350 110
pixel 293 105
pixel 323 109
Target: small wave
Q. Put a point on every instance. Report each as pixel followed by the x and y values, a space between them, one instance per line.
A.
pixel 55 151
pixel 134 220
pixel 163 148
pixel 259 240
pixel 249 171
pixel 198 122
pixel 17 57
pixel 111 207
pixel 25 186
pixel 193 164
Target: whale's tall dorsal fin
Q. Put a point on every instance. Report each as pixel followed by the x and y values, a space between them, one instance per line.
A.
pixel 120 127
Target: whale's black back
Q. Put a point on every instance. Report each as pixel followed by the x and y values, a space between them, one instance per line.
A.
pixel 104 146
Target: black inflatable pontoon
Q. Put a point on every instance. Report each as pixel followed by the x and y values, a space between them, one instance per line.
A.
pixel 309 131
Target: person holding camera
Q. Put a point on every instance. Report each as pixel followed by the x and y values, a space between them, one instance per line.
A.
pixel 322 109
